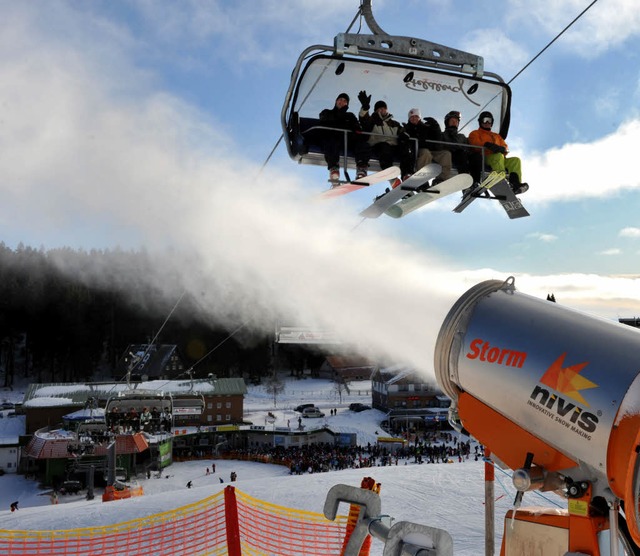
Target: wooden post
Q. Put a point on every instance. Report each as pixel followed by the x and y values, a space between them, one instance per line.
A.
pixel 232 523
pixel 489 505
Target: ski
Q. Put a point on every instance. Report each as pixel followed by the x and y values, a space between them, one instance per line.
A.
pixel 471 195
pixel 391 197
pixel 344 188
pixel 435 192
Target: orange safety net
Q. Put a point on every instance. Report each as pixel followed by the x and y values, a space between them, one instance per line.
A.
pixel 197 529
pixel 267 529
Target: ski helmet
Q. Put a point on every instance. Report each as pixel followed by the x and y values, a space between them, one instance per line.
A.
pixel 452 114
pixel 484 115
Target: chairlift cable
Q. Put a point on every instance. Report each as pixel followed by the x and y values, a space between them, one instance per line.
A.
pixel 273 150
pixel 554 40
pixel 229 336
pixel 536 57
pixel 153 340
pixel 190 369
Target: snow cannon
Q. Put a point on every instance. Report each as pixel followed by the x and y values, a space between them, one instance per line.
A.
pixel 554 395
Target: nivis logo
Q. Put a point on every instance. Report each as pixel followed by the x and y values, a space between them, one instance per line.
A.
pixel 568 382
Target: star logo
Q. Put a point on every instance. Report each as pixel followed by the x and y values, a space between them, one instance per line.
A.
pixel 567 379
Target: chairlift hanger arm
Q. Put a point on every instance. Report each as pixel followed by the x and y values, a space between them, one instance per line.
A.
pixel 409 48
pixel 405 47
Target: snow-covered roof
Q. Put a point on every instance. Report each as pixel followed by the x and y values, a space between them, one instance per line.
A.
pixel 46 395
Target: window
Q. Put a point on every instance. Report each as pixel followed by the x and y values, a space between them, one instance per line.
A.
pixel 218 417
pixel 210 405
pixel 228 417
pixel 219 405
pixel 209 418
pixel 228 405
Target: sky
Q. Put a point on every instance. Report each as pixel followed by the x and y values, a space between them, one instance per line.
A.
pixel 446 496
pixel 149 124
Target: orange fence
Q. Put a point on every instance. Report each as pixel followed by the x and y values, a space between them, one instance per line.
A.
pixel 218 525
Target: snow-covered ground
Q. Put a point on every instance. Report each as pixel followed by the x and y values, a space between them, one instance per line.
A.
pixel 448 496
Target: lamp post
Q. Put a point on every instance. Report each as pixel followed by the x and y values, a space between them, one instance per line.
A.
pixel 272 421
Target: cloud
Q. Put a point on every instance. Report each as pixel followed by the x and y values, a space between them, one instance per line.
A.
pixel 243 30
pixel 502 54
pixel 611 252
pixel 545 238
pixel 629 232
pixel 562 173
pixel 603 27
pixel 608 296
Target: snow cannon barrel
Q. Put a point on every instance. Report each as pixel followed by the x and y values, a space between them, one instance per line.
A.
pixel 528 376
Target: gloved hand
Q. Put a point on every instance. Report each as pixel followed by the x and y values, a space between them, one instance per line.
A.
pixel 364 99
pixel 492 147
pixel 501 149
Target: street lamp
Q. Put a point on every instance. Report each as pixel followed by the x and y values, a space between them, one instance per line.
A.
pixel 271 419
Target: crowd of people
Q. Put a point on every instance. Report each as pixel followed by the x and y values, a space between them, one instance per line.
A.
pixel 431 447
pixel 416 143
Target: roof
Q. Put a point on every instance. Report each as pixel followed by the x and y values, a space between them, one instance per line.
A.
pixel 54 444
pixel 77 393
pixel 401 374
pixel 348 362
pixel 153 359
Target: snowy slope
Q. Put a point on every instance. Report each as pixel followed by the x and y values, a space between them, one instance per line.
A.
pixel 449 496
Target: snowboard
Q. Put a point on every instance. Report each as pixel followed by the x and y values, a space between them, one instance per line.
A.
pixel 422 198
pixel 508 199
pixel 344 188
pixel 384 201
pixel 472 195
pixel 500 190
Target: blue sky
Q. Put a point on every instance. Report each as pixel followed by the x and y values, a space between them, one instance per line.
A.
pixel 145 123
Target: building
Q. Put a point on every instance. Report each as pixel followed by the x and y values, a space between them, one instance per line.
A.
pixel 70 425
pixel 402 388
pixel 150 362
pixel 345 368
pixel 410 400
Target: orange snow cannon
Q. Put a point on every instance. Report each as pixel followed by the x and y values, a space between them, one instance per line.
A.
pixel 554 394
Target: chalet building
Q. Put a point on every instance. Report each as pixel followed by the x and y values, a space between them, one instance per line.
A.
pixel 150 362
pixel 410 400
pixel 401 388
pixel 345 368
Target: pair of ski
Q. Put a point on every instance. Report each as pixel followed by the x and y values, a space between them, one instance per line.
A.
pixel 415 193
pixel 410 195
pixel 495 186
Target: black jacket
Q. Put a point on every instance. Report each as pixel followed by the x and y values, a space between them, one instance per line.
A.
pixel 425 132
pixel 339 118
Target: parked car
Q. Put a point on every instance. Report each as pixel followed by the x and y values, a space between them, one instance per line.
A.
pixel 358 407
pixel 7 405
pixel 312 412
pixel 303 406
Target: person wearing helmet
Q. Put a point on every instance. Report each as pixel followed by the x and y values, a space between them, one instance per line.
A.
pixel 426 136
pixel 495 152
pixel 458 145
pixel 383 130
